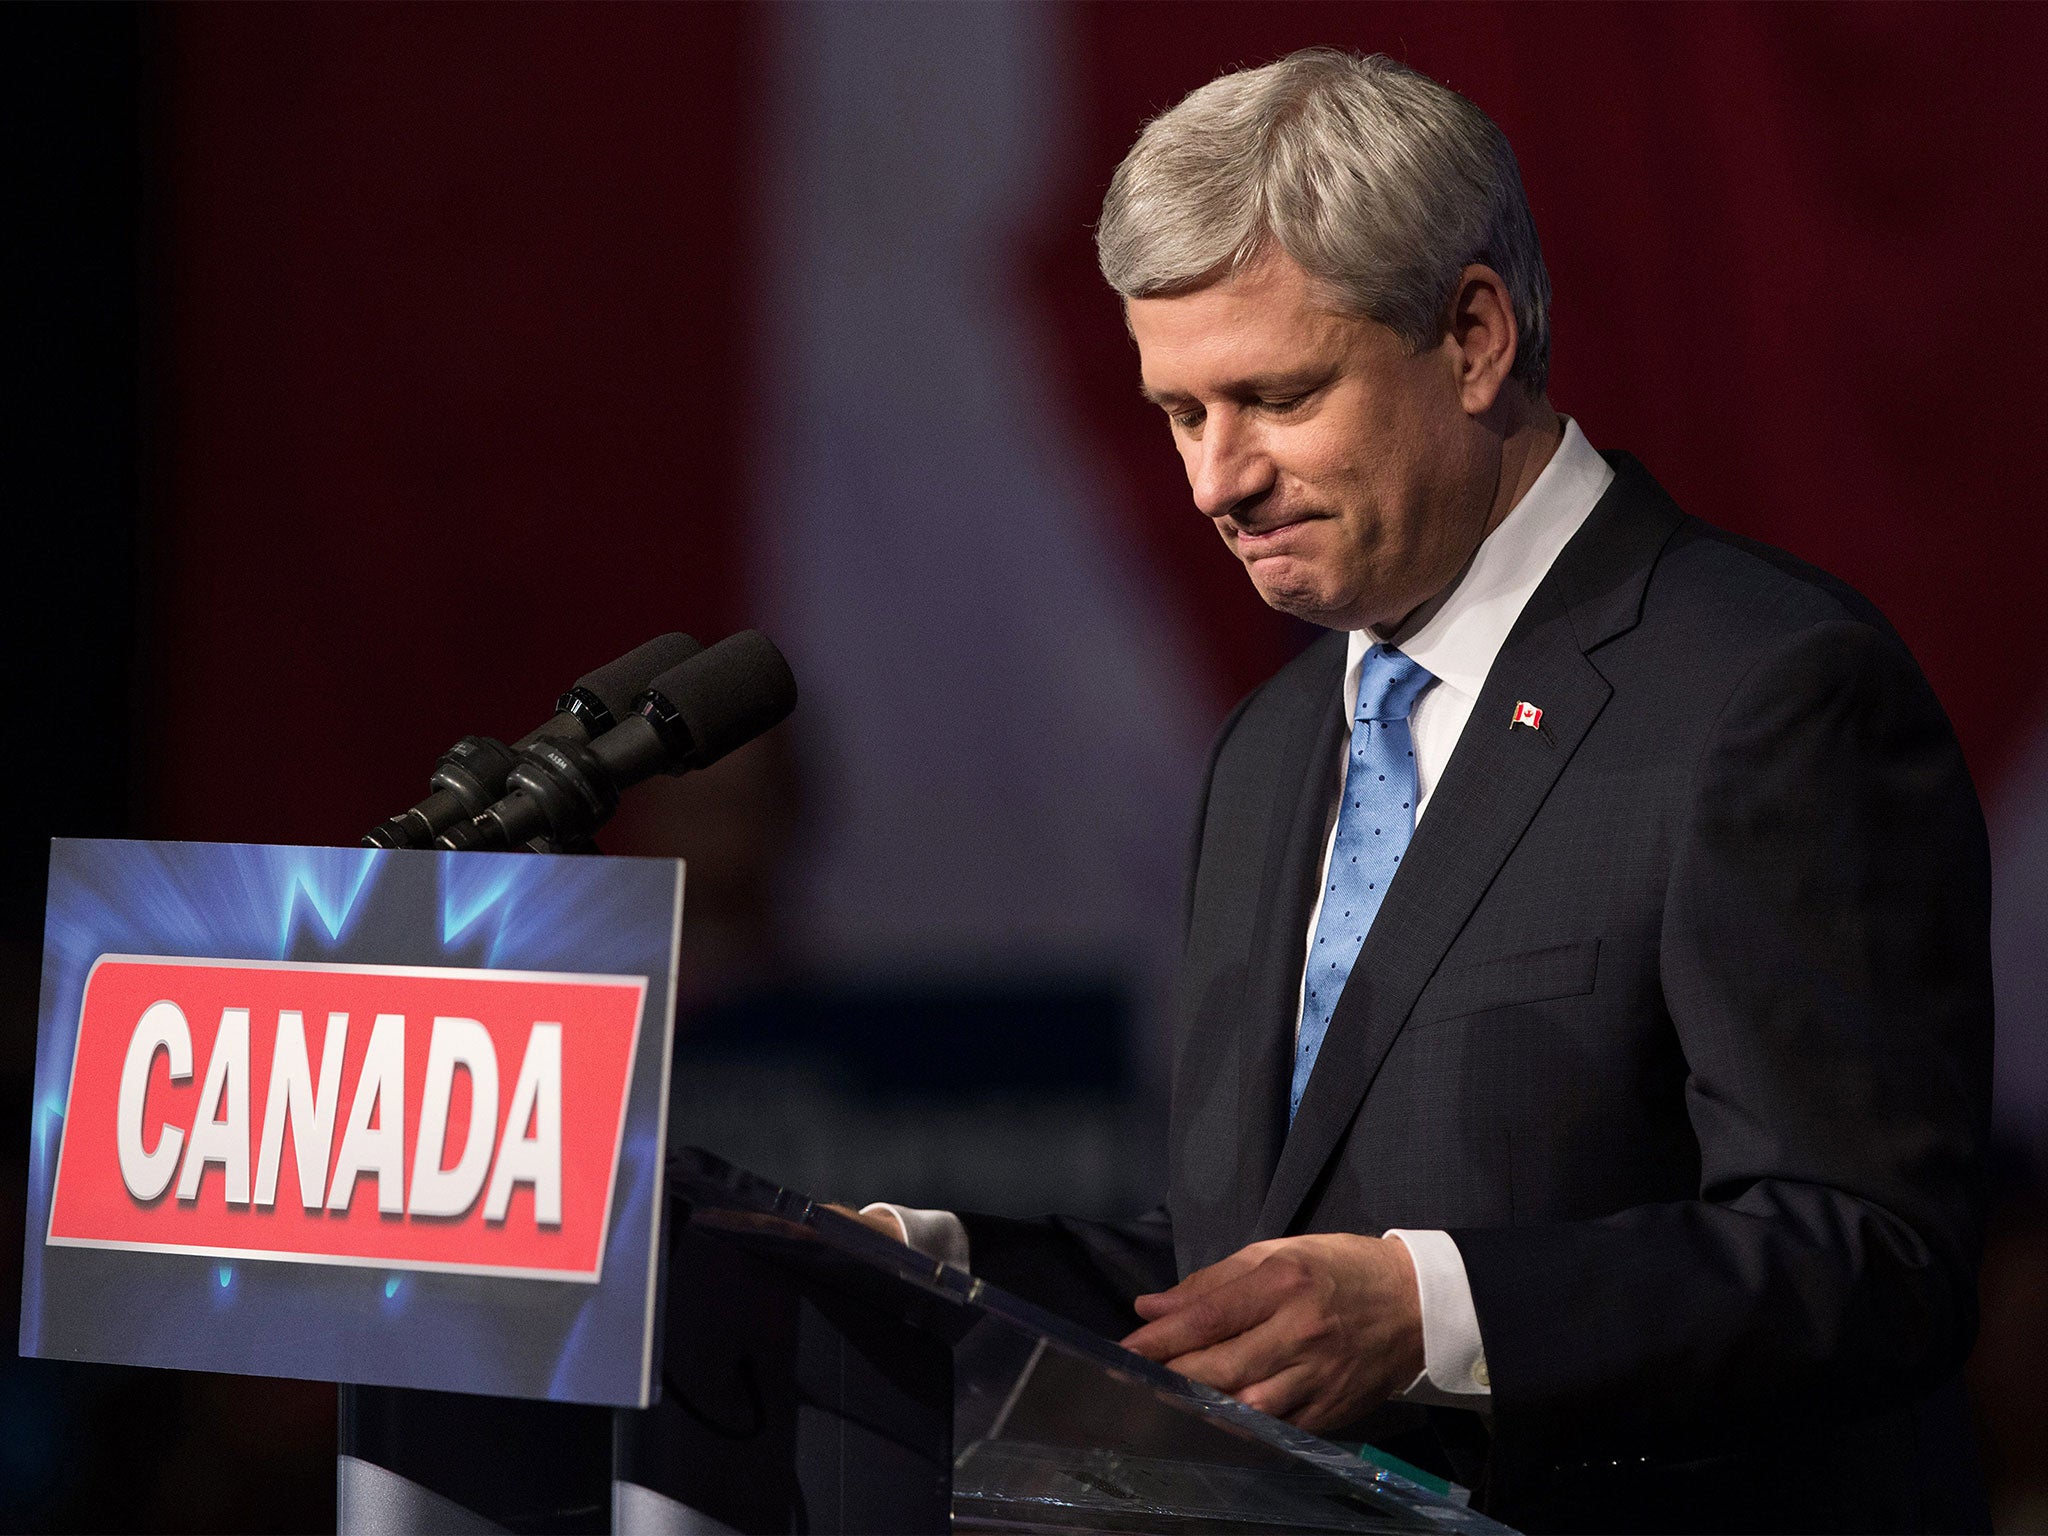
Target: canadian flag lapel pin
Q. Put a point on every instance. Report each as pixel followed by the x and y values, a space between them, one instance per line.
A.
pixel 1529 715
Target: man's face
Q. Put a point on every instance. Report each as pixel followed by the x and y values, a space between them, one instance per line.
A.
pixel 1346 474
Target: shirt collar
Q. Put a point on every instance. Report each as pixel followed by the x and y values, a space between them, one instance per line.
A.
pixel 1463 632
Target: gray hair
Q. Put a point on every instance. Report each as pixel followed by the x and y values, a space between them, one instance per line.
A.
pixel 1374 178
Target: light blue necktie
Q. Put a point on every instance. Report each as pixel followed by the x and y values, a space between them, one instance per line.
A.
pixel 1374 824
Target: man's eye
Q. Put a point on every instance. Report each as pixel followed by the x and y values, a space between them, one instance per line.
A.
pixel 1187 421
pixel 1282 406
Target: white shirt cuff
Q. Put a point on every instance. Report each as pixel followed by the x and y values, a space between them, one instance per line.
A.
pixel 938 1234
pixel 1454 1361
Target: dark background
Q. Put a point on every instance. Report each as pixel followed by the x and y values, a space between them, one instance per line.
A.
pixel 367 361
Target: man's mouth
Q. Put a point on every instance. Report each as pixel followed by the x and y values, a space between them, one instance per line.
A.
pixel 1268 535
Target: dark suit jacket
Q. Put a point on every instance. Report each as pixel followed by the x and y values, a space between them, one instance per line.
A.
pixel 1677 1017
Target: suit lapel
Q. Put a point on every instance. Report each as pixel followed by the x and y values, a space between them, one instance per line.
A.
pixel 1495 782
pixel 1304 791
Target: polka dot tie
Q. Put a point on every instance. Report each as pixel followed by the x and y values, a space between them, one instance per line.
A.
pixel 1374 824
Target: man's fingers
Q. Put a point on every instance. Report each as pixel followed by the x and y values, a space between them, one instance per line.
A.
pixel 1268 1370
pixel 1253 1355
pixel 1200 1283
pixel 1224 1312
pixel 1194 1327
pixel 1282 1395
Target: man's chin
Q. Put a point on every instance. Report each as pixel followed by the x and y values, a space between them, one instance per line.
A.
pixel 1307 601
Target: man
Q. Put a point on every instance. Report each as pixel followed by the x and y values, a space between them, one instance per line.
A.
pixel 1585 1013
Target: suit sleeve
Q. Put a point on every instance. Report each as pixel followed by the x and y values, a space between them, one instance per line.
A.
pixel 1087 1271
pixel 1825 964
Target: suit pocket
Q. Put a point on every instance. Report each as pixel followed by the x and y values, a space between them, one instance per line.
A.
pixel 1534 976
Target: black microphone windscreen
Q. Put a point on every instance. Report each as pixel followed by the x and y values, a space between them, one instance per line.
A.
pixel 729 693
pixel 618 683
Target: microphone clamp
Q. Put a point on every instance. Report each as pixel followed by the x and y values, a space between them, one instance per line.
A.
pixel 470 775
pixel 561 789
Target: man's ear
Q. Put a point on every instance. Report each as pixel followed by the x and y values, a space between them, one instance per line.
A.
pixel 1480 332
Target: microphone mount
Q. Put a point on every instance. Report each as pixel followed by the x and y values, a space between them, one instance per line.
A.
pixel 472 775
pixel 560 791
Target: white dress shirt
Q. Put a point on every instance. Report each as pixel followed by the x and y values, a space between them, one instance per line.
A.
pixel 1455 638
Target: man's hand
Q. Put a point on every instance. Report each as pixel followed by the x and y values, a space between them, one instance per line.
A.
pixel 1318 1330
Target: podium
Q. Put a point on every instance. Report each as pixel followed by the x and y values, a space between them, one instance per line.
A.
pixel 818 1377
pixel 505 1278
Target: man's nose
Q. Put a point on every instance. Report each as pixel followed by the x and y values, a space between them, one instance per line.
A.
pixel 1227 468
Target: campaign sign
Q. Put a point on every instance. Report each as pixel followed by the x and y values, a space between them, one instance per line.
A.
pixel 353 1115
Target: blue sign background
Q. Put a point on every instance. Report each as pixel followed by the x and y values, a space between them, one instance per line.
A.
pixel 239 901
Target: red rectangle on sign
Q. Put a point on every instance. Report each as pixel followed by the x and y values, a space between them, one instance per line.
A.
pixel 398 1117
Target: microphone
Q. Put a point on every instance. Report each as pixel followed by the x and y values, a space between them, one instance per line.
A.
pixel 471 774
pixel 689 717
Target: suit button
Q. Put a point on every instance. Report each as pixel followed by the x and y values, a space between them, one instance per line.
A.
pixel 1479 1373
